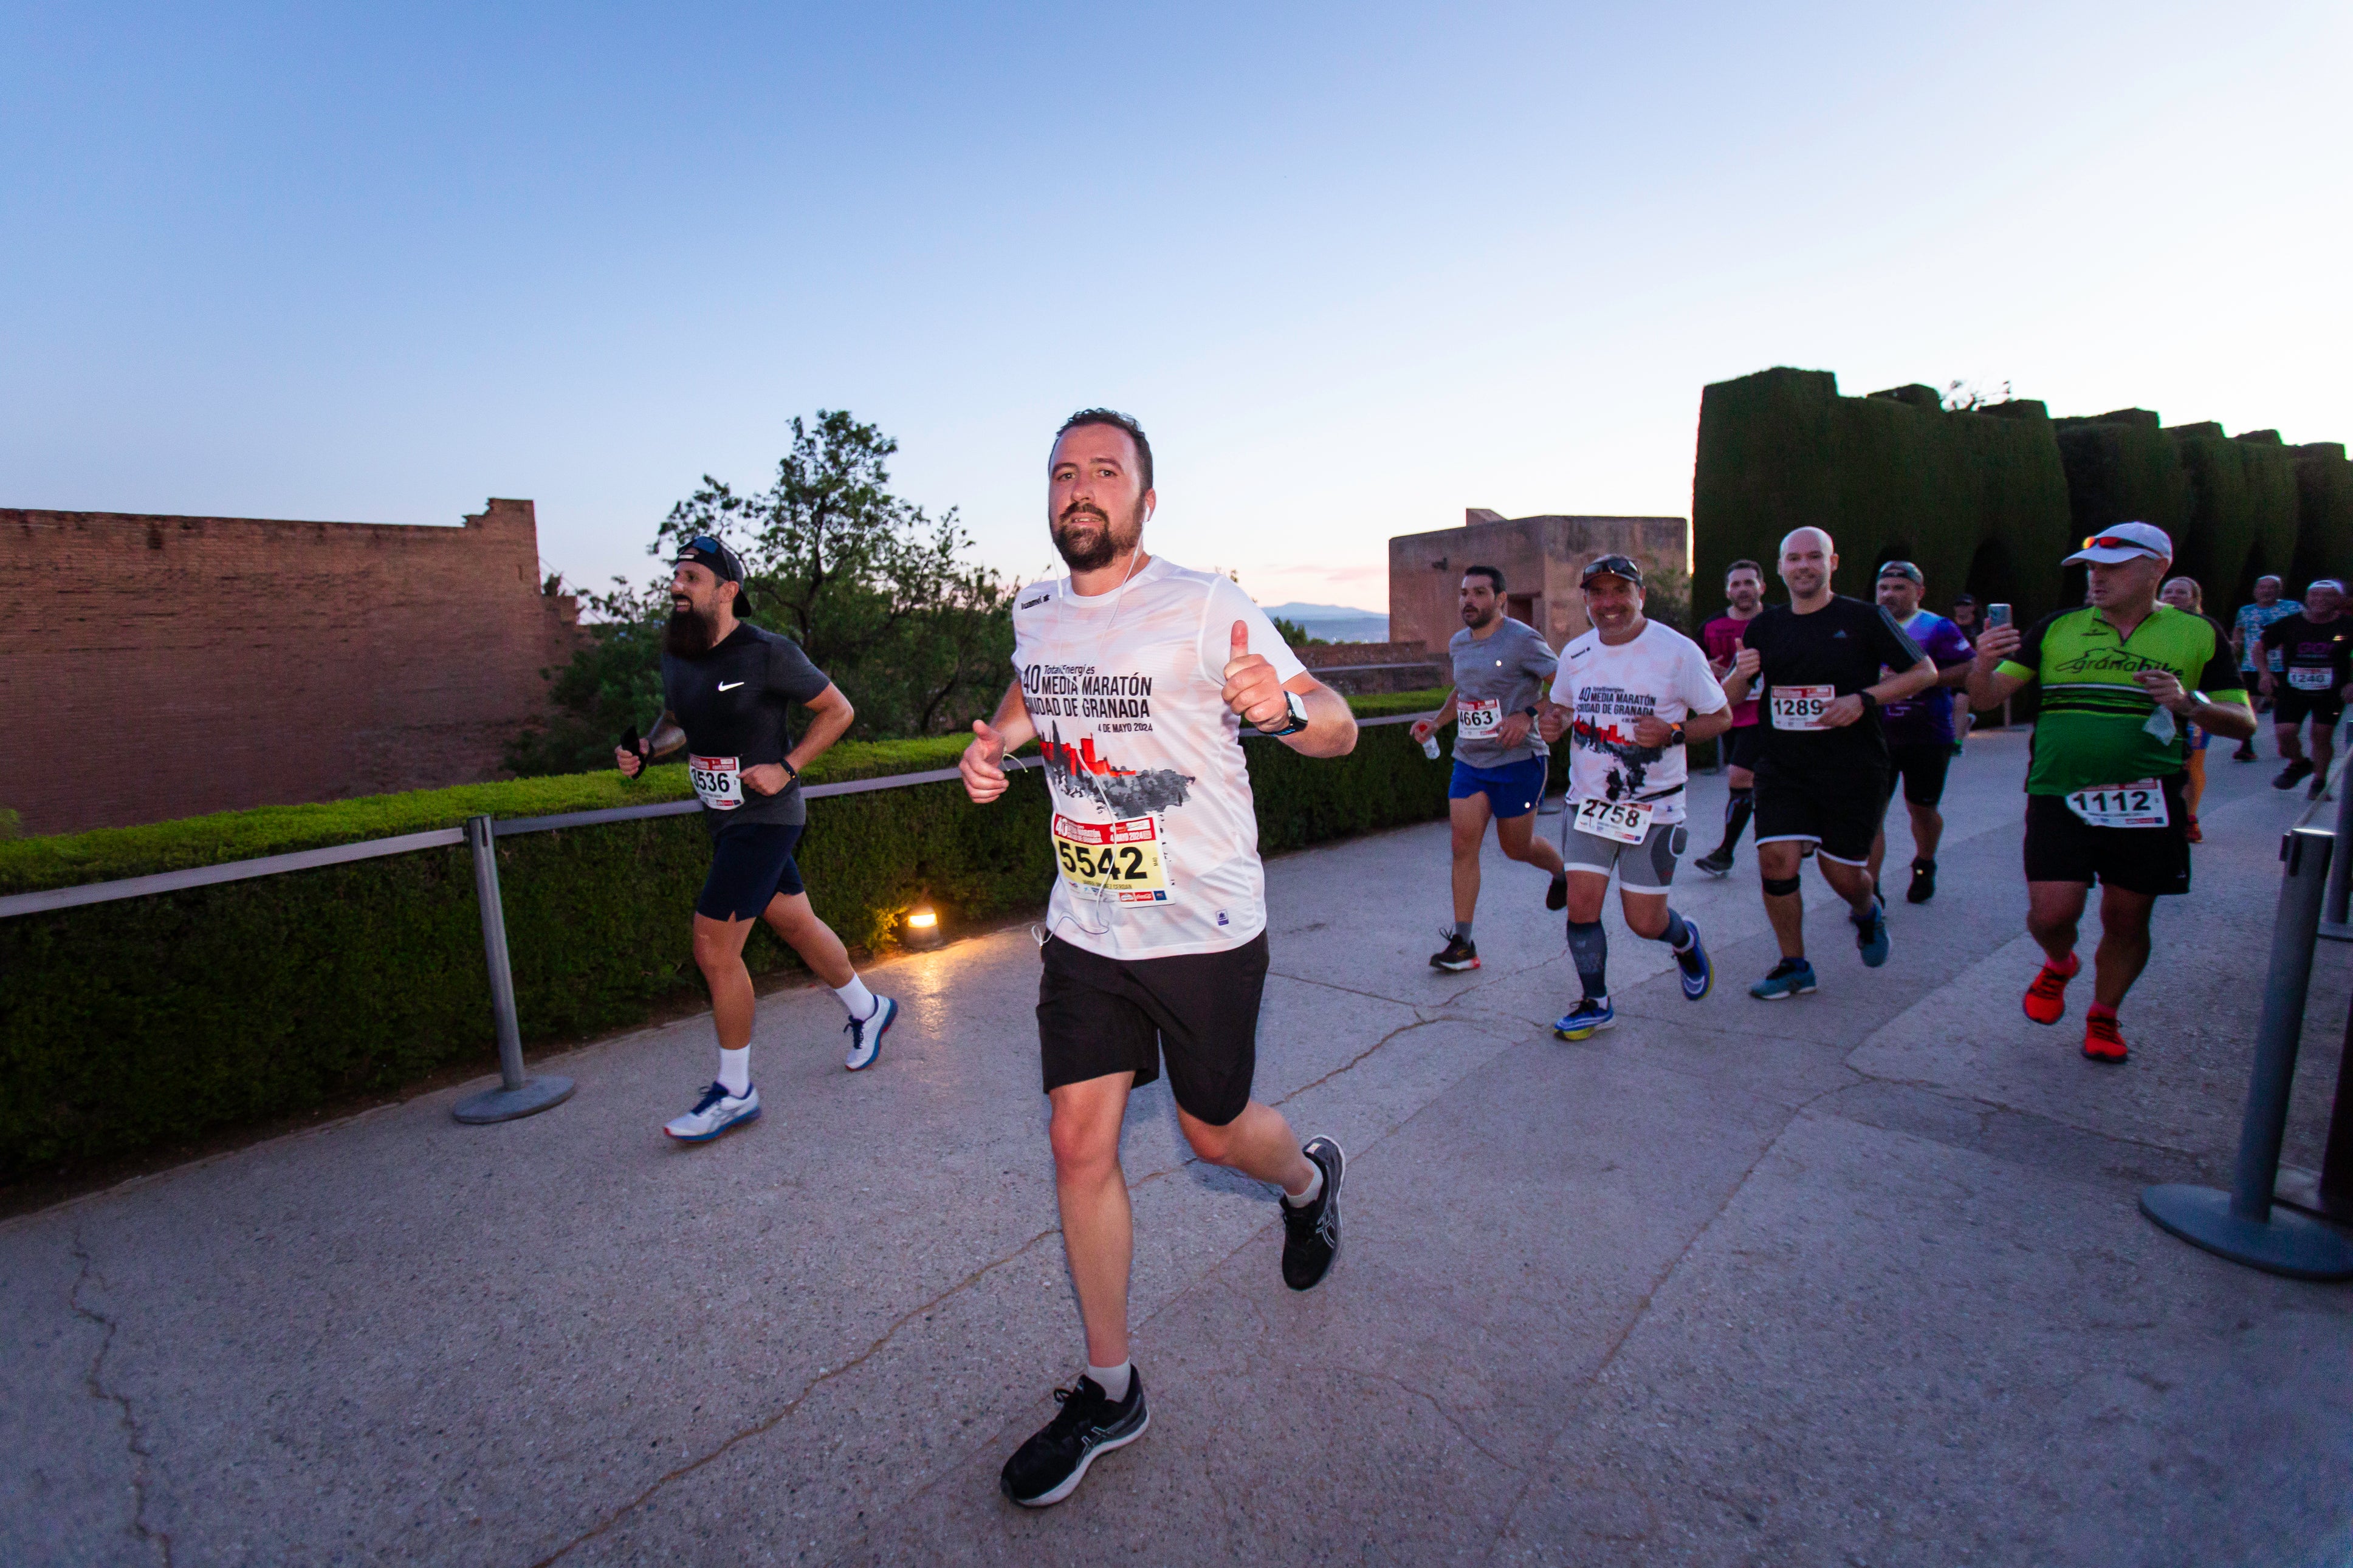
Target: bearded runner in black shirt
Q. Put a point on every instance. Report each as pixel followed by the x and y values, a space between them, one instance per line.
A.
pixel 726 690
pixel 1823 777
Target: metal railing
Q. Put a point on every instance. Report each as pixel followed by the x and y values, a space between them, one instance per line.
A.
pixel 517 1094
pixel 2272 1220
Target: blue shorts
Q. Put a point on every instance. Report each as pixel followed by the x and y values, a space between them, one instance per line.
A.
pixel 750 863
pixel 1512 790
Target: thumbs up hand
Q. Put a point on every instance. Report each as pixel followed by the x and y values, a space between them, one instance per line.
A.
pixel 983 764
pixel 1252 688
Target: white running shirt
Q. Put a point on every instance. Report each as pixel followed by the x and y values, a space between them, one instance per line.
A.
pixel 1605 689
pixel 1153 828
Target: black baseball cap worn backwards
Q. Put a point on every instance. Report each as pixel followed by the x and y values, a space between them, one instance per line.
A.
pixel 705 550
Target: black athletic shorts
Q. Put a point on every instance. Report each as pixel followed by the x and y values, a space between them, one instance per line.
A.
pixel 2062 847
pixel 1921 766
pixel 1744 747
pixel 1838 812
pixel 1098 1016
pixel 2293 707
pixel 750 863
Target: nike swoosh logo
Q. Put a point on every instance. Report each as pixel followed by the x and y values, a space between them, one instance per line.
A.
pixel 729 685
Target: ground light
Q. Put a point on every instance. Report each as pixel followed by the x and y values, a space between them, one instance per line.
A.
pixel 922 928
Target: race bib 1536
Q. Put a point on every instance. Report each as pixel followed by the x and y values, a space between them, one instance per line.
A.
pixel 719 781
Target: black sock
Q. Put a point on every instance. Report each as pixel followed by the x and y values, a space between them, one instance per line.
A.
pixel 1589 947
pixel 1737 807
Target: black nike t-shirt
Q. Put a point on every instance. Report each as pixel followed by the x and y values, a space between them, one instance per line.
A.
pixel 1809 661
pixel 734 704
pixel 2317 654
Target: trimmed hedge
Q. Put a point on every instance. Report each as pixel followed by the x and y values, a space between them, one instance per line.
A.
pixel 125 1026
pixel 2323 486
pixel 1978 499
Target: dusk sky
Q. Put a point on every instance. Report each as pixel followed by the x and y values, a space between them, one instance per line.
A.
pixel 1356 267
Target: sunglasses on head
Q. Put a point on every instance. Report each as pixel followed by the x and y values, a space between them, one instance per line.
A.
pixel 2110 541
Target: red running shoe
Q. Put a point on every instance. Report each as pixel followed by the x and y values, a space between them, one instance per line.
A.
pixel 2196 836
pixel 2046 999
pixel 2102 1040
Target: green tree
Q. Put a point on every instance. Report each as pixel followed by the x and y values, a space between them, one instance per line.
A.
pixel 883 599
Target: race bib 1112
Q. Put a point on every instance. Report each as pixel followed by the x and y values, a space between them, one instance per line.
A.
pixel 2141 804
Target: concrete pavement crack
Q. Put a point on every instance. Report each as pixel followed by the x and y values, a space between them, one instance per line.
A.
pixel 94 1380
pixel 1443 1414
pixel 797 1400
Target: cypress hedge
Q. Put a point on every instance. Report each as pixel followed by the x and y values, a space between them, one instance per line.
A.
pixel 1977 500
pixel 2324 489
pixel 147 1021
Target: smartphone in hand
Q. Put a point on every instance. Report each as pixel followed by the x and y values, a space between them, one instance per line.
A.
pixel 1997 616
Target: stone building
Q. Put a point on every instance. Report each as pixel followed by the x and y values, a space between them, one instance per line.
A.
pixel 162 667
pixel 1540 558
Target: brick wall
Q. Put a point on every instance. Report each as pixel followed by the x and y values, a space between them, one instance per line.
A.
pixel 1540 558
pixel 162 667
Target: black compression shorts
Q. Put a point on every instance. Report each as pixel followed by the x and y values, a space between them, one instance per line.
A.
pixel 1744 747
pixel 750 863
pixel 1922 766
pixel 2062 847
pixel 1098 1016
pixel 1839 813
pixel 2295 707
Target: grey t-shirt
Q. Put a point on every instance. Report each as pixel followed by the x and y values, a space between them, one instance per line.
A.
pixel 1495 676
pixel 733 703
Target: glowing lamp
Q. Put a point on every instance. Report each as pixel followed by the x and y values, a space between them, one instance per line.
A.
pixel 922 928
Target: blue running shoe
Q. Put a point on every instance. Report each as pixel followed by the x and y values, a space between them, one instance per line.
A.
pixel 1870 936
pixel 1790 977
pixel 1585 1018
pixel 714 1113
pixel 866 1034
pixel 1698 975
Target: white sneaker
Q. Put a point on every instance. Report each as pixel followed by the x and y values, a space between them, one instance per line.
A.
pixel 866 1034
pixel 714 1113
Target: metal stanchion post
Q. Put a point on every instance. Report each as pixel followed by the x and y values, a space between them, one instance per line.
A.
pixel 516 1096
pixel 2341 868
pixel 2242 1225
pixel 2328 1194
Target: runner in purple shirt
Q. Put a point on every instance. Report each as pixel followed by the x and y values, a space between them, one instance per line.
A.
pixel 1921 740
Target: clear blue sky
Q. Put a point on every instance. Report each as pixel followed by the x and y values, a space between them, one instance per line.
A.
pixel 1356 266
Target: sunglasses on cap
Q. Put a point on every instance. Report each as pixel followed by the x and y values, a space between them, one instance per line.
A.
pixel 1611 566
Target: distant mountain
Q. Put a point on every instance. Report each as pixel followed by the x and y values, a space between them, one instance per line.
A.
pixel 1335 622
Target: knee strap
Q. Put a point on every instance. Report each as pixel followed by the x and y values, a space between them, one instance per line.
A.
pixel 1782 886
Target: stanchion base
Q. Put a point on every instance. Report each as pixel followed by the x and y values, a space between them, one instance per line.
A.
pixel 2288 1243
pixel 2336 930
pixel 2301 1190
pixel 536 1095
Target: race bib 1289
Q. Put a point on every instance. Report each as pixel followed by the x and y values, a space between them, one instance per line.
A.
pixel 1118 861
pixel 1801 706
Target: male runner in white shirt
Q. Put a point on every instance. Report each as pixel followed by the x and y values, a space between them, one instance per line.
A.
pixel 1135 676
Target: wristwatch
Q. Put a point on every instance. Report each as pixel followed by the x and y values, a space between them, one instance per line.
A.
pixel 1295 720
pixel 1869 701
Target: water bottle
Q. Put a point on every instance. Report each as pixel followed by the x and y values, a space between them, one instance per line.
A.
pixel 1430 746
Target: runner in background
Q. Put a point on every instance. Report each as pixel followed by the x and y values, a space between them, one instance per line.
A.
pixel 1822 783
pixel 728 687
pixel 1740 746
pixel 1629 697
pixel 1921 739
pixel 1500 666
pixel 2184 594
pixel 2246 638
pixel 2104 804
pixel 1968 623
pixel 2310 681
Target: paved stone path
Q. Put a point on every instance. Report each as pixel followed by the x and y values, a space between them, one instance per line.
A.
pixel 1855 1279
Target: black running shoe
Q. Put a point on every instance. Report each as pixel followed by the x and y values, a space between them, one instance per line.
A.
pixel 1556 896
pixel 2320 787
pixel 1923 882
pixel 1051 1464
pixel 2295 773
pixel 1457 954
pixel 1312 1235
pixel 1718 861
pixel 2245 753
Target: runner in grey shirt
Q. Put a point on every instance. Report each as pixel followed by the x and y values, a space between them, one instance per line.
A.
pixel 1502 668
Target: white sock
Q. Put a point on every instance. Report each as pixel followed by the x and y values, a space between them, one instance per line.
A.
pixel 1113 1380
pixel 856 998
pixel 1314 1190
pixel 735 1071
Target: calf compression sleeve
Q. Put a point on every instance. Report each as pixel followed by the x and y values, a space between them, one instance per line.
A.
pixel 1737 807
pixel 1677 935
pixel 1589 947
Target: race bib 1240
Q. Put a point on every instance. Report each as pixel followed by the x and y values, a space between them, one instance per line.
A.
pixel 1117 861
pixel 2311 679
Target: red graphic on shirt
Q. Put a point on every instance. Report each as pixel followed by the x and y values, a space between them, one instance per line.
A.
pixel 1078 759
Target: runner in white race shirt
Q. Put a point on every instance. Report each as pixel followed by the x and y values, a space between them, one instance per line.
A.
pixel 1629 696
pixel 1135 677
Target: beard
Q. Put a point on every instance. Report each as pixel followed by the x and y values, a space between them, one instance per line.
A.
pixel 1084 549
pixel 687 634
